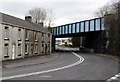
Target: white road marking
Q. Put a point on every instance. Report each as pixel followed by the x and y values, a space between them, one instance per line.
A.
pixel 114 77
pixel 81 59
pixel 45 76
pixel 117 75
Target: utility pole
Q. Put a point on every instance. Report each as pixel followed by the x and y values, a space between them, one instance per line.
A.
pixel 81 41
pixel 118 29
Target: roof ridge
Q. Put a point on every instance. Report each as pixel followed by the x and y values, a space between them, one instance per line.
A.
pixel 8 19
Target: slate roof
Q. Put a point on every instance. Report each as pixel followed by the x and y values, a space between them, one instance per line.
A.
pixel 14 21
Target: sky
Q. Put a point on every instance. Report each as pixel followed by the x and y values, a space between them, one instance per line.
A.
pixel 64 11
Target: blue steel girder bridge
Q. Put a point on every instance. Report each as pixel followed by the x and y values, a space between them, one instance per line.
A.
pixel 91 29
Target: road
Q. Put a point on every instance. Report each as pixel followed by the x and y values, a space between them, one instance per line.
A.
pixel 68 66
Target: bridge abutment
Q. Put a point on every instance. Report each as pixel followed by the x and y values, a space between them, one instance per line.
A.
pixel 94 40
pixel 53 43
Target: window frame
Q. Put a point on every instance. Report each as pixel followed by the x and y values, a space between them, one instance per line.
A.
pixel 6 46
pixel 19 53
pixel 26 35
pixel 6 33
pixel 86 26
pixel 19 35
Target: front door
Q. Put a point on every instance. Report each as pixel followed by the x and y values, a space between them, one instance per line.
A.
pixel 32 49
pixel 13 51
pixel 46 48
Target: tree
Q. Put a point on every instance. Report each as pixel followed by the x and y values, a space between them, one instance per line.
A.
pixel 110 12
pixel 38 15
pixel 50 17
pixel 109 8
pixel 41 15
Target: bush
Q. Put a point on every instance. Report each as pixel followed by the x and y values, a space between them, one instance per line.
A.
pixel 68 45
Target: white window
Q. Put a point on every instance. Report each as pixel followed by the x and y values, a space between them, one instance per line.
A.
pixel 6 49
pixel 19 34
pixel 26 48
pixel 6 33
pixel 19 49
pixel 27 35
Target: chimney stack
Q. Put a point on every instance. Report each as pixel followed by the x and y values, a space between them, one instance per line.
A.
pixel 28 18
pixel 41 23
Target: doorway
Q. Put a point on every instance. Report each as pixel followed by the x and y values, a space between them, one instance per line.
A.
pixel 13 51
pixel 46 48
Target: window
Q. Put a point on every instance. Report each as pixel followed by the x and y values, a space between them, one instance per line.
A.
pixel 92 25
pixel 19 34
pixel 26 48
pixel 97 24
pixel 86 26
pixel 57 30
pixel 63 30
pixel 36 47
pixel 6 33
pixel 36 36
pixel 70 27
pixel 82 27
pixel 54 31
pixel 6 49
pixel 19 49
pixel 74 28
pixel 66 29
pixel 78 27
pixel 27 35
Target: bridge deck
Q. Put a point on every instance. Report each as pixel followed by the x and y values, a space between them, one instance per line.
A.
pixel 92 25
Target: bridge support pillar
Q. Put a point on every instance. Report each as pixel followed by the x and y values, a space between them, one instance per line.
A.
pixel 53 43
pixel 94 41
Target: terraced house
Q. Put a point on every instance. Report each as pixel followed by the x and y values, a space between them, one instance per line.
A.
pixel 21 38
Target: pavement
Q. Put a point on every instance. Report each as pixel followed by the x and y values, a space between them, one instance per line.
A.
pixel 29 61
pixel 116 58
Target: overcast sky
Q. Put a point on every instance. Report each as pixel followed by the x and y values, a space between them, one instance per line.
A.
pixel 65 11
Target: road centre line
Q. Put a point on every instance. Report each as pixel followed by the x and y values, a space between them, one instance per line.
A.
pixel 81 59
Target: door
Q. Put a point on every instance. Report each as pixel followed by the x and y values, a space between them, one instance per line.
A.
pixel 46 48
pixel 13 51
pixel 32 49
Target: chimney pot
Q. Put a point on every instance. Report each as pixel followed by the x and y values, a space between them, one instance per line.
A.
pixel 28 18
